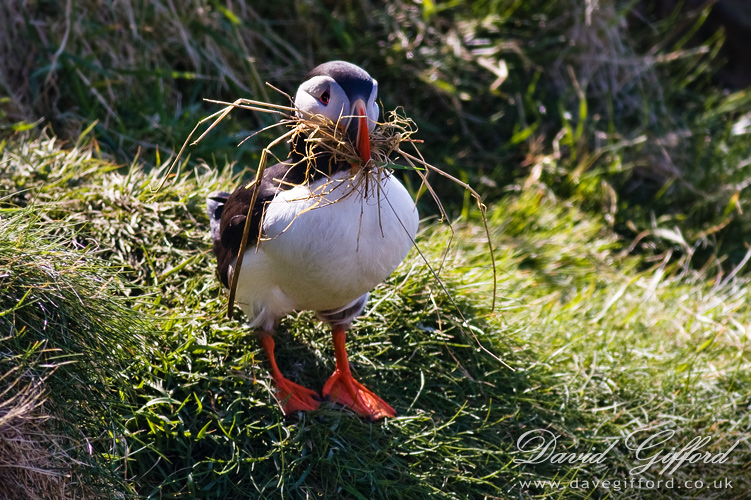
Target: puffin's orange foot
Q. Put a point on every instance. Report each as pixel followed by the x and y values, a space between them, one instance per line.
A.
pixel 295 397
pixel 345 390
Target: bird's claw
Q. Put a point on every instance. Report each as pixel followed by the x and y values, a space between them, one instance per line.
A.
pixel 294 397
pixel 343 389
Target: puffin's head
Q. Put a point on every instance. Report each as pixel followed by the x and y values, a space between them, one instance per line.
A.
pixel 345 94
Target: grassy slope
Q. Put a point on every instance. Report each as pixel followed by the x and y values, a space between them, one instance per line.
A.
pixel 599 349
pixel 69 343
pixel 595 135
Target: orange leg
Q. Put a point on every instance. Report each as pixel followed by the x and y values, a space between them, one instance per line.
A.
pixel 292 396
pixel 345 390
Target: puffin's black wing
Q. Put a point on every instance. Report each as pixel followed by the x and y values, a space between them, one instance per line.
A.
pixel 228 212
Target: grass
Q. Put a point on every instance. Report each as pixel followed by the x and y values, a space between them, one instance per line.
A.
pixel 615 176
pixel 599 343
pixel 65 370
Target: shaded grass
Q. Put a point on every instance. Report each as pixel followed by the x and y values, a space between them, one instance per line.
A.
pixel 601 344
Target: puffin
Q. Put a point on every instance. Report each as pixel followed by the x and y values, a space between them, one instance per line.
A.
pixel 323 233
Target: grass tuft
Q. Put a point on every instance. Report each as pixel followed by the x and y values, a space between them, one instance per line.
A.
pixel 68 345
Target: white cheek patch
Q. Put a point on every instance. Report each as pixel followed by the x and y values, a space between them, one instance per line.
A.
pixel 306 103
pixel 307 99
pixel 338 109
pixel 373 115
pixel 373 110
pixel 338 105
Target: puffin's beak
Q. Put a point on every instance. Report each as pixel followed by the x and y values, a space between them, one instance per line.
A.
pixel 362 135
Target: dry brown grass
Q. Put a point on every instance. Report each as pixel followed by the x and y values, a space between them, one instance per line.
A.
pixel 124 44
pixel 33 462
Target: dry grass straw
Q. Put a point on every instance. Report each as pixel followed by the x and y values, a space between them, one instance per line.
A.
pixel 33 463
pixel 324 136
pixel 139 35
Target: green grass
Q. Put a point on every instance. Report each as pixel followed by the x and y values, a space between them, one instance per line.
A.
pixel 599 344
pixel 70 346
pixel 615 176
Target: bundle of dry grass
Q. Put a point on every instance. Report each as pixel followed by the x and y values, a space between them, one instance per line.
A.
pixel 33 461
pixel 325 136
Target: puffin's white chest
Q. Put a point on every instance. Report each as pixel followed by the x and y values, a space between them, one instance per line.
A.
pixel 336 239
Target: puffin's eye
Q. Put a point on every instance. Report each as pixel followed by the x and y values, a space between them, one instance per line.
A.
pixel 325 97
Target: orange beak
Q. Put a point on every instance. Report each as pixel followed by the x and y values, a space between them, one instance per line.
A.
pixel 363 136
